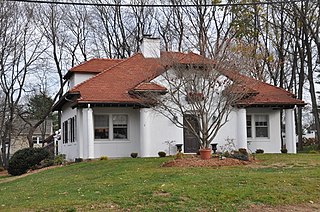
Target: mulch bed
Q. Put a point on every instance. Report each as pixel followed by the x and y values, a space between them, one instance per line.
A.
pixel 197 162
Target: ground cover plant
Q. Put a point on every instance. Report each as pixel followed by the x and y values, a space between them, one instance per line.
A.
pixel 141 184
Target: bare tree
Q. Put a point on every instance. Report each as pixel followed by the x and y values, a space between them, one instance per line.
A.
pixel 198 90
pixel 19 50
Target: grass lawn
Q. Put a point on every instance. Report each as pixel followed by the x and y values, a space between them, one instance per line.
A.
pixel 142 185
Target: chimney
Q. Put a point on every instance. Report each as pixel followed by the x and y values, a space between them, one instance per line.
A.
pixel 150 47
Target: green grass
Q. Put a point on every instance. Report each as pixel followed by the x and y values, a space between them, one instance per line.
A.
pixel 142 185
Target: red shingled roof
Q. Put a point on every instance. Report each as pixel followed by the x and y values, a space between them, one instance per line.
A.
pixel 95 65
pixel 265 94
pixel 149 86
pixel 114 83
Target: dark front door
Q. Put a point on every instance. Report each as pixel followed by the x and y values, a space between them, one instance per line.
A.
pixel 191 143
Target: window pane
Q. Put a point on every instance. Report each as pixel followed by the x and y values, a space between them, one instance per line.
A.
pixel 34 139
pixel 261 123
pixel 101 126
pixel 120 126
pixel 261 132
pixel 249 126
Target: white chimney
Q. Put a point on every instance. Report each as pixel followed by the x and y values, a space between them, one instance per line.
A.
pixel 150 47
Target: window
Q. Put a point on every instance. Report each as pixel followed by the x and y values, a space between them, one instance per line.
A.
pixel 73 129
pixel 120 126
pixel 261 123
pixel 69 130
pixel 111 126
pixel 257 126
pixel 65 132
pixel 249 126
pixel 101 126
pixel 34 139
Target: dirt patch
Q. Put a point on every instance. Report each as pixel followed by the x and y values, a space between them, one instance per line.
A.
pixel 12 178
pixel 197 162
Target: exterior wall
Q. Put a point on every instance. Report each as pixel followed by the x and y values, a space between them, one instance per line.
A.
pixel 77 78
pixel 228 132
pixel 69 149
pixel 119 148
pixel 273 143
pixel 157 133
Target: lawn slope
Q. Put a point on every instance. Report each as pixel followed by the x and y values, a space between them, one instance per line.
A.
pixel 141 184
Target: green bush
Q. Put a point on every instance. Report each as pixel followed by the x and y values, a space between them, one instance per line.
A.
pixel 162 154
pixel 25 159
pixel 59 159
pixel 1 169
pixel 284 150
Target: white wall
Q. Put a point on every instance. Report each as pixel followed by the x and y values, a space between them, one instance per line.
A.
pixel 69 149
pixel 156 129
pixel 77 78
pixel 273 143
pixel 120 148
pixel 228 131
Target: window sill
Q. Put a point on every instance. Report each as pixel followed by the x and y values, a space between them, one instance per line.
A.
pixel 258 139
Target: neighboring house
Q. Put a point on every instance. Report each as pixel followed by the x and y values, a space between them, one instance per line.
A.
pixel 19 136
pixel 100 117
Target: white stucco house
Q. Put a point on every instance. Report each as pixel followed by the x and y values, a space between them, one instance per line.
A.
pixel 100 117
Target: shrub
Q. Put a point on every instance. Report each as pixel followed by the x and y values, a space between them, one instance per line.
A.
pixel 59 159
pixel 162 154
pixel 240 156
pixel 284 150
pixel 103 158
pixel 1 169
pixel 134 154
pixel 24 159
pixel 313 152
pixel 259 151
pixel 226 154
pixel 78 160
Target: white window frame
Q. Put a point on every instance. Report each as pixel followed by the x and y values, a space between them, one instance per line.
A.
pixel 111 137
pixel 253 126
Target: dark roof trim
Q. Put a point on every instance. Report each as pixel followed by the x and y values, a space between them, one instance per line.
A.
pixel 100 104
pixel 274 106
pixel 67 97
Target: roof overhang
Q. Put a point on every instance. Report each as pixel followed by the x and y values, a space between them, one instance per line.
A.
pixel 67 97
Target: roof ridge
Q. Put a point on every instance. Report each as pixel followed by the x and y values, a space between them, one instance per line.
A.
pixel 86 61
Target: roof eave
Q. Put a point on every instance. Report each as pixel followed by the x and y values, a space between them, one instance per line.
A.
pixel 67 97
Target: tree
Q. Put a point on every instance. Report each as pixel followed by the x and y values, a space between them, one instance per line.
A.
pixel 199 90
pixel 37 112
pixel 19 49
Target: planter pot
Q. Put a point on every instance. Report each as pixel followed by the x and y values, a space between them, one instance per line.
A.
pixel 205 154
